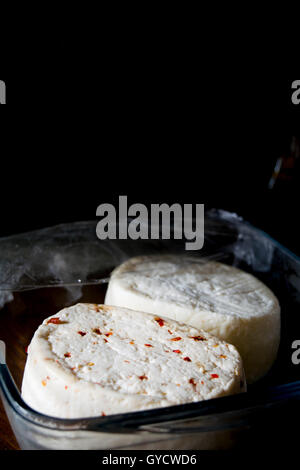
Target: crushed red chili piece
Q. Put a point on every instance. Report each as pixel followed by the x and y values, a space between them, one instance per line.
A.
pixel 97 331
pixel 178 338
pixel 197 338
pixel 66 386
pixel 143 377
pixel 103 414
pixel 67 354
pixel 187 359
pixel 108 334
pixel 169 331
pixel 192 382
pixel 54 320
pixel 105 340
pixel 131 342
pixel 177 351
pixel 26 350
pixel 222 356
pixel 81 333
pixel 160 321
pixel 214 376
pixel 149 345
pixel 202 382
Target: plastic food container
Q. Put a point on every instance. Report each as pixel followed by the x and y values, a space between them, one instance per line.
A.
pixel 46 270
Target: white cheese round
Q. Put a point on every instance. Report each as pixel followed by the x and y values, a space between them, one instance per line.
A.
pixel 91 360
pixel 221 299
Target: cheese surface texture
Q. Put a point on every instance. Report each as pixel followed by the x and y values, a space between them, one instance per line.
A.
pixel 220 299
pixel 93 360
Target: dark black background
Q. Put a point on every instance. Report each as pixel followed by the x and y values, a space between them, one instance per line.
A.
pixel 77 133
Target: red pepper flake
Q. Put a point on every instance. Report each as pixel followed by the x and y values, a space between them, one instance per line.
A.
pixel 81 333
pixel 202 382
pixel 177 351
pixel 143 377
pixel 192 382
pixel 187 359
pixel 214 376
pixel 97 331
pixel 108 334
pixel 67 354
pixel 26 350
pixel 149 345
pixel 103 414
pixel 105 340
pixel 159 321
pixel 222 356
pixel 54 320
pixel 197 338
pixel 66 387
pixel 169 331
pixel 131 342
pixel 178 338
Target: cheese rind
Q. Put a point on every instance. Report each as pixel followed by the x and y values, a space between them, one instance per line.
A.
pixel 221 299
pixel 91 360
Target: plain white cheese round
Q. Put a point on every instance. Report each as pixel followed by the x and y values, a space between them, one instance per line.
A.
pixel 91 360
pixel 221 299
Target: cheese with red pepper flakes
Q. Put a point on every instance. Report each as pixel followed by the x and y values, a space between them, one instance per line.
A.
pixel 134 368
pixel 223 300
